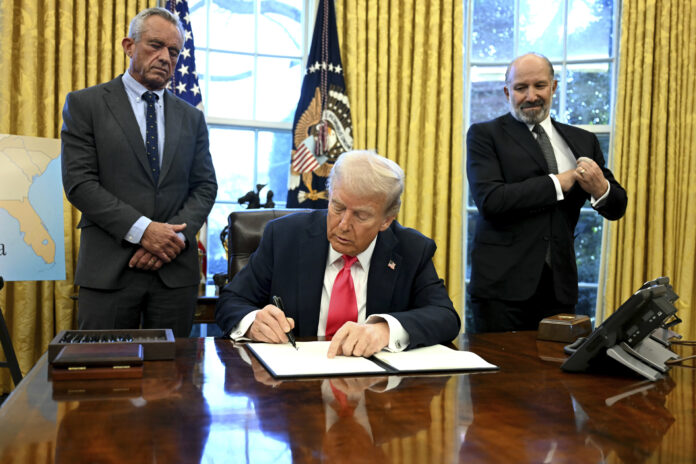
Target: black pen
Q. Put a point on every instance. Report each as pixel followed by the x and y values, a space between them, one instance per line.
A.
pixel 279 304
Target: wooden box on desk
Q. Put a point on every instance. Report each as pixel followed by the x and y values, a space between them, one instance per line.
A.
pixel 564 328
pixel 90 361
pixel 157 344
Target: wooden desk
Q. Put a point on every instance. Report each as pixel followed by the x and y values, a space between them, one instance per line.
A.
pixel 209 405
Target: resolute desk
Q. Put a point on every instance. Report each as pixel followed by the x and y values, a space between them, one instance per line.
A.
pixel 211 405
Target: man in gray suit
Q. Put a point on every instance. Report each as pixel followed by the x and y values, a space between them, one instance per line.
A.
pixel 142 203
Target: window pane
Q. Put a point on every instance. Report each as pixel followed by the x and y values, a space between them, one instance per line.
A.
pixel 274 160
pixel 587 301
pixel 201 56
pixel 588 94
pixel 492 30
pixel 541 27
pixel 604 144
pixel 588 245
pixel 233 157
pixel 232 26
pixel 487 97
pixel 231 86
pixel 278 102
pixel 280 27
pixel 217 221
pixel 471 218
pixel 197 13
pixel 590 29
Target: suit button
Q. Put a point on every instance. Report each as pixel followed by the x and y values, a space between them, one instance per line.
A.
pixel 546 237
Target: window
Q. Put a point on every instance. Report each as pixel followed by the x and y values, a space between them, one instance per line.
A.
pixel 250 62
pixel 580 37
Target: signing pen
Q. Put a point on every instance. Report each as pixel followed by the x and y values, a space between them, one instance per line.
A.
pixel 279 304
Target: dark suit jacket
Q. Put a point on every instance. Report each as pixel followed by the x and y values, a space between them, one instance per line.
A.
pixel 107 177
pixel 519 213
pixel 291 260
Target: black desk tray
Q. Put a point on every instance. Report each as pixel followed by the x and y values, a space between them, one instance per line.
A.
pixel 157 344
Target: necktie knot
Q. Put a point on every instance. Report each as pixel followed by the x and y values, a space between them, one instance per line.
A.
pixel 348 261
pixel 150 97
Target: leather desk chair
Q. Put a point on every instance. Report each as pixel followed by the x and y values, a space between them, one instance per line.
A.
pixel 244 234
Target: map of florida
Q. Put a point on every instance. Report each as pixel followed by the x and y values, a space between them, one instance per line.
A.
pixel 23 159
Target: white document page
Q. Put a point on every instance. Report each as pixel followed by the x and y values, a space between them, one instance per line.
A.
pixel 310 360
pixel 434 358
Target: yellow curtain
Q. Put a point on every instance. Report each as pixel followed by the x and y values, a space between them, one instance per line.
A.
pixel 655 154
pixel 49 48
pixel 403 66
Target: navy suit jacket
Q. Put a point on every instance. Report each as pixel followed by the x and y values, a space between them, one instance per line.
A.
pixel 107 177
pixel 519 212
pixel 290 263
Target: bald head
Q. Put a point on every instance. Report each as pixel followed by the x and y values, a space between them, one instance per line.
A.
pixel 532 58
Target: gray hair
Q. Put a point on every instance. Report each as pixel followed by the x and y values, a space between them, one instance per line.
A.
pixel 137 23
pixel 548 62
pixel 366 173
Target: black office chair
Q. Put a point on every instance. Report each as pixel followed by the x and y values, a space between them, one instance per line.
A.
pixel 7 348
pixel 245 229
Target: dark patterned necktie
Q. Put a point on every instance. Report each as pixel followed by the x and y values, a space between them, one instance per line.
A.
pixel 546 148
pixel 151 139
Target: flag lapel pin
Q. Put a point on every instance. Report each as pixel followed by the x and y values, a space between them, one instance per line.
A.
pixel 391 265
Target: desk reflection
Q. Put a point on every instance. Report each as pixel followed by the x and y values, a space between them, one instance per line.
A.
pixel 336 420
pixel 107 426
pixel 598 421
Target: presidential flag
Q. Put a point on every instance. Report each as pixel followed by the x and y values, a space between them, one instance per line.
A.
pixel 184 82
pixel 322 127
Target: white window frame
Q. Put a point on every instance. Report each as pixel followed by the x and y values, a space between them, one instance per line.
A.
pixel 560 67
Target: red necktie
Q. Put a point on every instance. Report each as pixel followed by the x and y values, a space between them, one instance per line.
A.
pixel 342 406
pixel 343 306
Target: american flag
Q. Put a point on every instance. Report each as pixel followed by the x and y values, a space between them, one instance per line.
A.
pixel 184 83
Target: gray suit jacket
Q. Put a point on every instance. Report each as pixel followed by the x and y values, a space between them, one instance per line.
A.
pixel 106 176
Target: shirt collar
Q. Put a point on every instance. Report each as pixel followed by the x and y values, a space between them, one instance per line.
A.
pixel 363 258
pixel 135 89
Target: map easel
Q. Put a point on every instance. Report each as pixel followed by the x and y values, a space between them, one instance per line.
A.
pixel 10 356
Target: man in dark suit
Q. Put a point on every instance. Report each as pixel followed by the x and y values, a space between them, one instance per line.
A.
pixel 393 298
pixel 142 204
pixel 529 176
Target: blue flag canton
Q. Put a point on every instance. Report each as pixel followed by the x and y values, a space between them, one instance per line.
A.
pixel 184 83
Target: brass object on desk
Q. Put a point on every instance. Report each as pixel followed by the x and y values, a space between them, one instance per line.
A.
pixel 564 328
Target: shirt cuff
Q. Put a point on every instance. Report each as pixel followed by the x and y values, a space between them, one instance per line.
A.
pixel 398 337
pixel 135 233
pixel 238 332
pixel 596 203
pixel 557 184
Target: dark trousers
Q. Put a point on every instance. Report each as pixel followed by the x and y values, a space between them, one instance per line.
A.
pixel 493 315
pixel 145 302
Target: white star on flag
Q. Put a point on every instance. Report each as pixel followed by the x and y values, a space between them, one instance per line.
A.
pixel 184 83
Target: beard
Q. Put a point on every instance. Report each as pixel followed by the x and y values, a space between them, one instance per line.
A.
pixel 534 116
